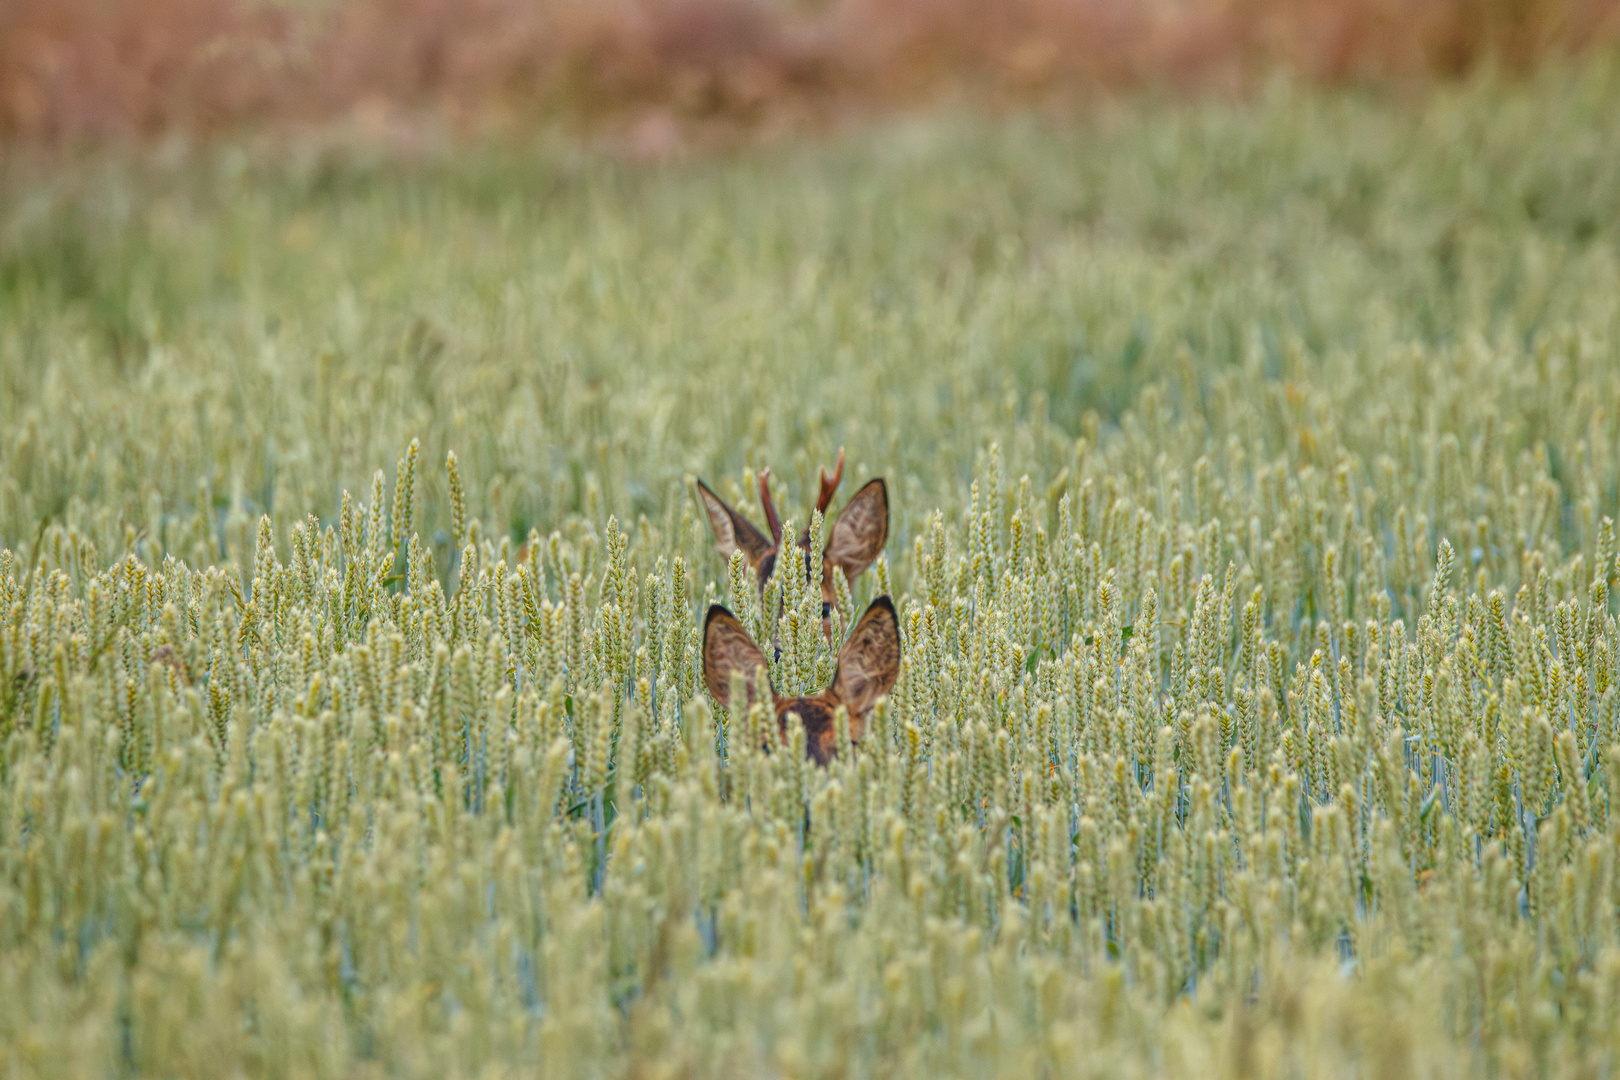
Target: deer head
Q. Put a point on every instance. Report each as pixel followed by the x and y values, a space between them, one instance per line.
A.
pixel 854 541
pixel 868 664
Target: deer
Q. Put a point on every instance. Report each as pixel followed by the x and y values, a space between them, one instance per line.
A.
pixel 854 541
pixel 868 665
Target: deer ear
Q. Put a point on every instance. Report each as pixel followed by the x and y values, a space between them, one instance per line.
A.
pixel 858 533
pixel 732 531
pixel 728 649
pixel 869 662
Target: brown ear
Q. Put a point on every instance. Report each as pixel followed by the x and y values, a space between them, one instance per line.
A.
pixel 732 531
pixel 869 662
pixel 859 532
pixel 727 648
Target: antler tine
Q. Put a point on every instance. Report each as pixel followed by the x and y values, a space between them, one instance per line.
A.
pixel 830 486
pixel 771 519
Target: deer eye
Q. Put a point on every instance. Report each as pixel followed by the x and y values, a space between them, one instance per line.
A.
pixel 826 609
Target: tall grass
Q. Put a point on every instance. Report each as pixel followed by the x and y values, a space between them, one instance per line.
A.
pixel 1253 475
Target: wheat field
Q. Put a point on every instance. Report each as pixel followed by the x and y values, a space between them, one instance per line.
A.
pixel 1252 471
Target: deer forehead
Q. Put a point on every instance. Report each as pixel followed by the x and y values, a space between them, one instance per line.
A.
pixel 812 711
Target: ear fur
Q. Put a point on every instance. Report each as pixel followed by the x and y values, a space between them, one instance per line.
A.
pixel 858 533
pixel 869 662
pixel 732 531
pixel 727 648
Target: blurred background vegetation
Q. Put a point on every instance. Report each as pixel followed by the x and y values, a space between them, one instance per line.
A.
pixel 587 331
pixel 76 69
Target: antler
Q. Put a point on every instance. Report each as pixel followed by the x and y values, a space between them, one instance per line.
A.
pixel 771 519
pixel 829 486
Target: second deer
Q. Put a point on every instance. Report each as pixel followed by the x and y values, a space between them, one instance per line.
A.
pixel 854 540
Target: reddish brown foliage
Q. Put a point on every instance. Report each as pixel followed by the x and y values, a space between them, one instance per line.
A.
pixel 86 68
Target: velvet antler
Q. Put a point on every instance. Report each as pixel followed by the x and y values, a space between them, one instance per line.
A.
pixel 829 486
pixel 772 521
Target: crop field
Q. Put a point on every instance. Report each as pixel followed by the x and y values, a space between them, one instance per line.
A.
pixel 1251 472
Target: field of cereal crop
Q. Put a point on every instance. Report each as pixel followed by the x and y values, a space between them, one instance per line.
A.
pixel 1251 470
